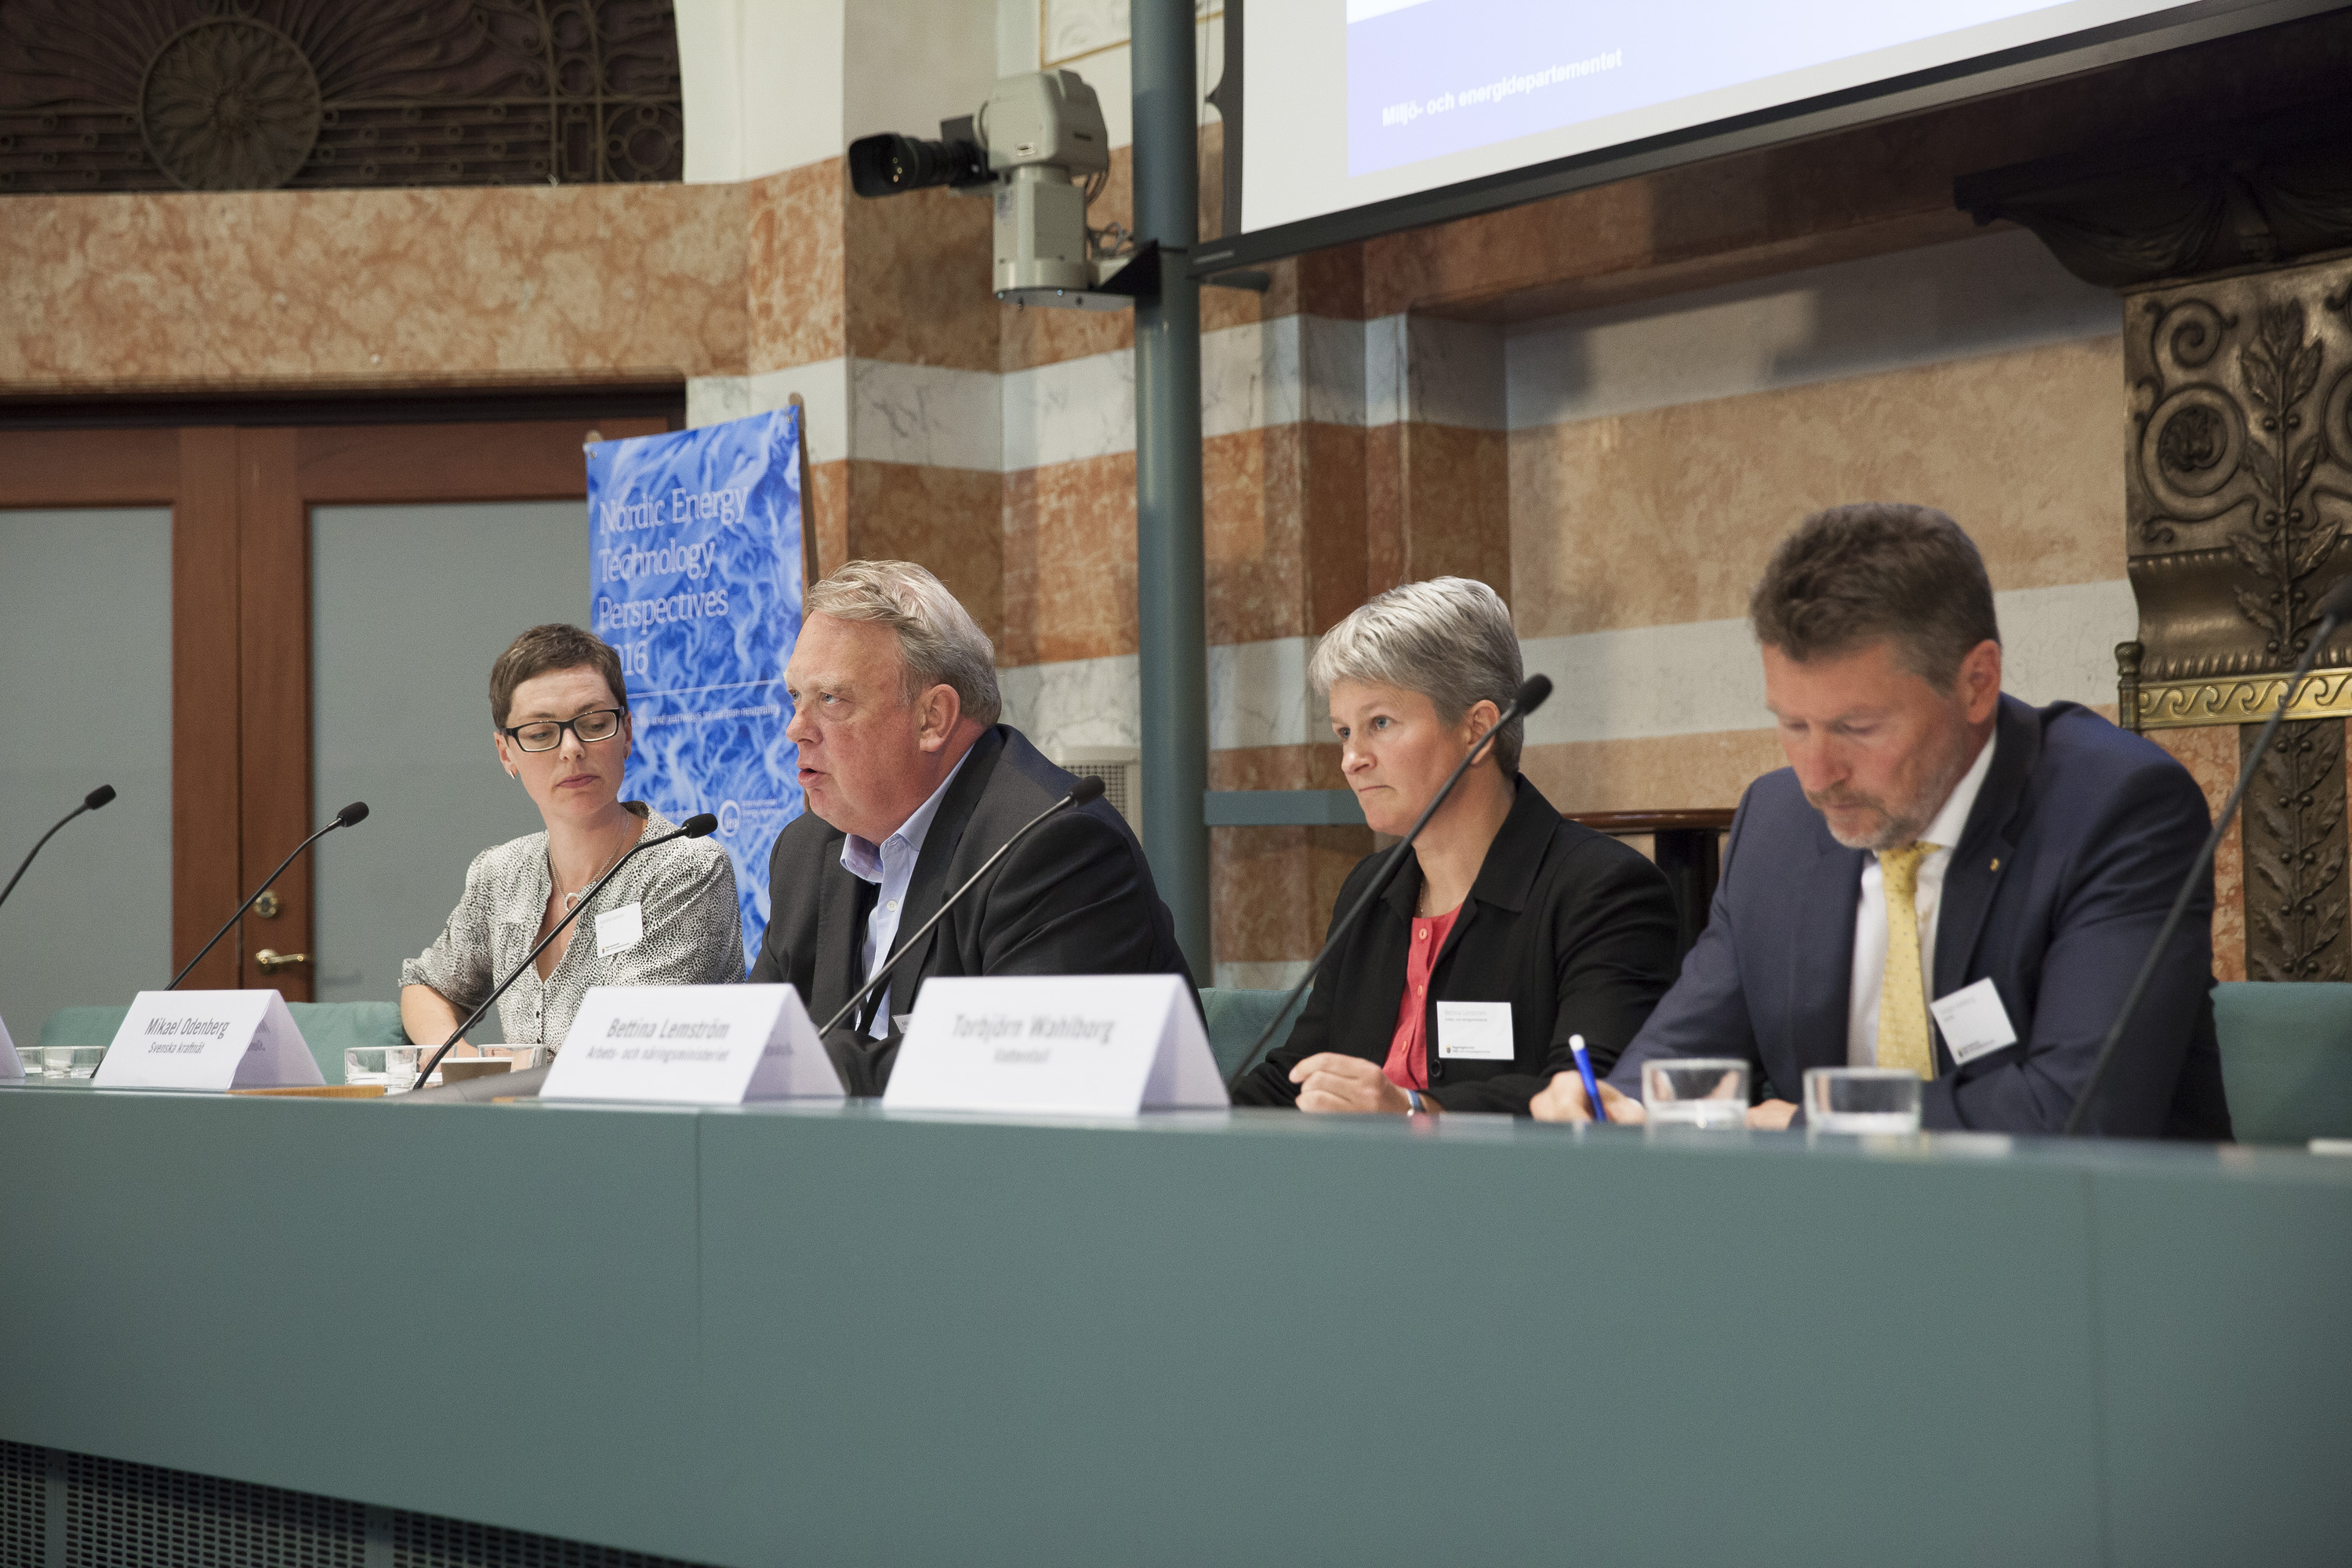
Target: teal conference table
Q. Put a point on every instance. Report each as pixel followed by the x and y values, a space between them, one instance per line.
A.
pixel 835 1336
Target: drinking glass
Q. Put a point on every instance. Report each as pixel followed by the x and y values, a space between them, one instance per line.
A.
pixel 1695 1091
pixel 71 1061
pixel 394 1066
pixel 1862 1100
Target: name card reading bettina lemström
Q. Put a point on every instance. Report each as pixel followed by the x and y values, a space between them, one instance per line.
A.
pixel 691 1044
pixel 1100 1045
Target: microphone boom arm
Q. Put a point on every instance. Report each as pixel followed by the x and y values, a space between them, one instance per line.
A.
pixel 883 969
pixel 26 865
pixel 343 818
pixel 688 831
pixel 1519 709
pixel 2222 819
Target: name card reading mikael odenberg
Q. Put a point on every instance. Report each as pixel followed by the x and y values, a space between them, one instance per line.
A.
pixel 691 1044
pixel 208 1039
pixel 1092 1045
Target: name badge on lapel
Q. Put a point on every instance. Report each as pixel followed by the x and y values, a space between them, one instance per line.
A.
pixel 618 931
pixel 1973 1021
pixel 1475 1031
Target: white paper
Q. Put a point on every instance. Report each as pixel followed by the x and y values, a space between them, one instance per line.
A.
pixel 10 1067
pixel 1094 1045
pixel 691 1044
pixel 618 931
pixel 208 1039
pixel 1475 1031
pixel 1973 1021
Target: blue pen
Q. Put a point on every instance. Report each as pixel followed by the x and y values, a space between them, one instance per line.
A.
pixel 1584 1070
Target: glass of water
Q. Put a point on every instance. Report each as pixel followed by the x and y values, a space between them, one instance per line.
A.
pixel 71 1061
pixel 394 1066
pixel 1862 1100
pixel 1695 1091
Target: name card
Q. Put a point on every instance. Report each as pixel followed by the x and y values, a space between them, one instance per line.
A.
pixel 691 1044
pixel 208 1039
pixel 10 1067
pixel 1096 1045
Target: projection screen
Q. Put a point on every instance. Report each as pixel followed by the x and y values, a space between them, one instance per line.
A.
pixel 1359 117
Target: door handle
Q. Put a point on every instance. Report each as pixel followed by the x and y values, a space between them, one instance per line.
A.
pixel 270 961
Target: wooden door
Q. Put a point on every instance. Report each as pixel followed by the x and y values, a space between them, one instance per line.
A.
pixel 240 500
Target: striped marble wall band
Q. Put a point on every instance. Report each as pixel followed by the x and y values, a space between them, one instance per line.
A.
pixel 1981 295
pixel 1698 678
pixel 1259 375
pixel 1990 294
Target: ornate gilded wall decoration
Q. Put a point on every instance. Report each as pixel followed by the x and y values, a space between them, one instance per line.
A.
pixel 125 95
pixel 2238 477
pixel 2295 857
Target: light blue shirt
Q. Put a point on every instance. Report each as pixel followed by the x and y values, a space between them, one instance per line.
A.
pixel 891 866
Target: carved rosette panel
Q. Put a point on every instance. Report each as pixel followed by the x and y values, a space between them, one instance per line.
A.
pixel 128 95
pixel 2294 856
pixel 2237 468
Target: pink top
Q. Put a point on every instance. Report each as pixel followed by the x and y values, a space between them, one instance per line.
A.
pixel 1408 1063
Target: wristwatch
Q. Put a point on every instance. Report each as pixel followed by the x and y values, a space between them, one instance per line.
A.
pixel 1413 1102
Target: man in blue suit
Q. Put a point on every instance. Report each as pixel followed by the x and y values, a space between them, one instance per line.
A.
pixel 1931 834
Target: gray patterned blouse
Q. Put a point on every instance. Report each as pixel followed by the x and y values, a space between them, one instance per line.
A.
pixel 693 932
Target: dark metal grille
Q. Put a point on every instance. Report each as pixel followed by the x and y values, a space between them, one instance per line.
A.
pixel 121 1515
pixel 421 1540
pixel 23 1518
pixel 128 95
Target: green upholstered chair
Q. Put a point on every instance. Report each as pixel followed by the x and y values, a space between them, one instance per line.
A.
pixel 2286 1058
pixel 1235 1019
pixel 82 1026
pixel 327 1027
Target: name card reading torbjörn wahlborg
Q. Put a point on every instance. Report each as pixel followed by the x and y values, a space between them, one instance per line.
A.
pixel 217 1040
pixel 691 1044
pixel 1096 1045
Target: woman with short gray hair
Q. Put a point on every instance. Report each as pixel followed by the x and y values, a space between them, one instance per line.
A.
pixel 1532 928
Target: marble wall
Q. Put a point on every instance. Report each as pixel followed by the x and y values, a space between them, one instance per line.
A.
pixel 1618 466
pixel 266 292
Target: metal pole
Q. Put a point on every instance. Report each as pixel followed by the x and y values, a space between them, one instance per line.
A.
pixel 1170 595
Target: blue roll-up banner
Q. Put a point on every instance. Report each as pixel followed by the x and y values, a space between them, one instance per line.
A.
pixel 694 543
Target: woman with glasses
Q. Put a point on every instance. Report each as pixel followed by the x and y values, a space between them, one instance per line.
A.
pixel 559 708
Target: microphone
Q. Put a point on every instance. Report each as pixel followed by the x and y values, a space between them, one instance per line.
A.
pixel 1088 791
pixel 701 826
pixel 349 815
pixel 90 802
pixel 1532 692
pixel 2334 607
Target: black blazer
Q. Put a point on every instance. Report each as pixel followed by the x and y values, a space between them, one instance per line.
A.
pixel 1077 898
pixel 1574 930
pixel 2071 854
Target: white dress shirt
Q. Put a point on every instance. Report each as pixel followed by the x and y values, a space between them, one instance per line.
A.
pixel 1870 916
pixel 891 866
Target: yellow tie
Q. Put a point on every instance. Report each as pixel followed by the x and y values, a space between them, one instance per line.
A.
pixel 1903 1039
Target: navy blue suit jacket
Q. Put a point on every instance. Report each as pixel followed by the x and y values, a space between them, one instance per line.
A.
pixel 2073 853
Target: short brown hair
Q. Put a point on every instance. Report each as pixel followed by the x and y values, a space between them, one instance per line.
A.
pixel 554 646
pixel 1853 574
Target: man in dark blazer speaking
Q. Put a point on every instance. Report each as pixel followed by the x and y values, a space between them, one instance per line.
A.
pixel 912 783
pixel 1944 879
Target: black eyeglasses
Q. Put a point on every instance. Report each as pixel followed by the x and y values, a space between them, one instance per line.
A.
pixel 546 734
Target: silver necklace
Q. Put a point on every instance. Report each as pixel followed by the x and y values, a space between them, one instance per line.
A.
pixel 571 898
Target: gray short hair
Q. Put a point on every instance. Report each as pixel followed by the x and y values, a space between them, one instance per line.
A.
pixel 939 642
pixel 1449 638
